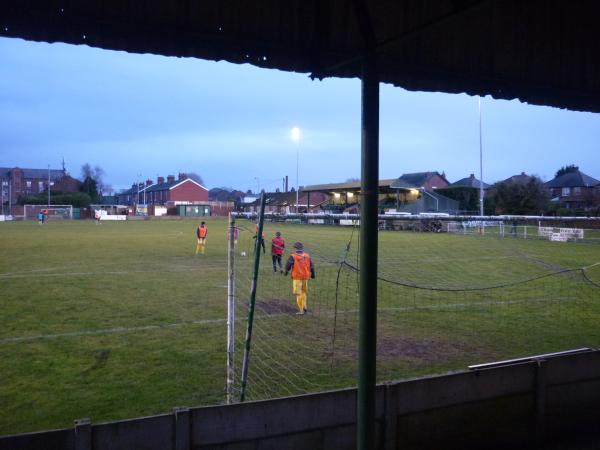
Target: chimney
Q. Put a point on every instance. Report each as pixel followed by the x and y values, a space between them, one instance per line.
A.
pixel 148 182
pixel 182 176
pixel 160 180
pixel 170 178
pixel 286 183
pixel 472 176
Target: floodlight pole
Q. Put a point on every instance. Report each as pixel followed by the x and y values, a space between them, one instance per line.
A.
pixel 367 344
pixel 48 185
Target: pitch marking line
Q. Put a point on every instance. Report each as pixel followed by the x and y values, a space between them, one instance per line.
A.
pixel 109 331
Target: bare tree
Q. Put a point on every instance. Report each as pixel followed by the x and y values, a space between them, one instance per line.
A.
pixel 197 178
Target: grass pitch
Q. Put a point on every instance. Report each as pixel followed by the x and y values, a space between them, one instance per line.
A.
pixel 122 319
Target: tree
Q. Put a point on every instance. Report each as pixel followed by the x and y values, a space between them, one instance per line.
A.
pixel 566 169
pixel 92 181
pixel 197 178
pixel 352 180
pixel 518 198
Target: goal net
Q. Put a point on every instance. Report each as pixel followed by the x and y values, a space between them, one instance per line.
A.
pixel 54 211
pixel 445 301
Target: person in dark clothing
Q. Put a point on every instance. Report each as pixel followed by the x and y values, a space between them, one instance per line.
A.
pixel 262 239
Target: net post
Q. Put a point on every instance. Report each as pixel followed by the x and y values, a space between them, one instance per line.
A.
pixel 246 359
pixel 231 311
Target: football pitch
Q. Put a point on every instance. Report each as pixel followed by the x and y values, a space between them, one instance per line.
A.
pixel 123 319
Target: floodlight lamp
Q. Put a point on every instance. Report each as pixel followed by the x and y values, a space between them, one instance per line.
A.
pixel 336 194
pixel 296 134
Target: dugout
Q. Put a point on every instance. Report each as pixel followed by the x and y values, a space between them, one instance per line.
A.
pixel 193 210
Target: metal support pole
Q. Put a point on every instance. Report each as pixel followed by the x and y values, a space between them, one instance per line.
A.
pixel 246 361
pixel 48 185
pixel 231 312
pixel 367 345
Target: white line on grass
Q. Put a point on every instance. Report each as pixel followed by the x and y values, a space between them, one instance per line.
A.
pixel 108 331
pixel 78 274
pixel 269 316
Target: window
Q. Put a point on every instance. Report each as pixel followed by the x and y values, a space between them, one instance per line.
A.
pixel 576 191
pixel 40 186
pixel 5 183
pixel 28 184
pixel 566 191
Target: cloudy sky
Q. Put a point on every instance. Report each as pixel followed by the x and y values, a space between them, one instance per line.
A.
pixel 140 116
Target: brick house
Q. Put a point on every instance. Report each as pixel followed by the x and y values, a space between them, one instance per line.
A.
pixel 574 190
pixel 17 183
pixel 172 191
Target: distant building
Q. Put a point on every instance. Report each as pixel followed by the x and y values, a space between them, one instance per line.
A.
pixel 412 192
pixel 285 202
pixel 182 190
pixel 17 183
pixel 574 190
pixel 467 192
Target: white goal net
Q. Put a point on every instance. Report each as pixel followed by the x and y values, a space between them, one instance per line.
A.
pixel 53 211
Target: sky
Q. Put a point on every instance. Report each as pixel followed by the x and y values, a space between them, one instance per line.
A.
pixel 142 116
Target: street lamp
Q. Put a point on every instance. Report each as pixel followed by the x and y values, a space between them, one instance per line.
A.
pixel 296 139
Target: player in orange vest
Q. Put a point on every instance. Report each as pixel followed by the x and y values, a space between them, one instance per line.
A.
pixel 201 233
pixel 302 268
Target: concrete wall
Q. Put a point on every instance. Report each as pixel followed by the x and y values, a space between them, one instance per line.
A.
pixel 554 403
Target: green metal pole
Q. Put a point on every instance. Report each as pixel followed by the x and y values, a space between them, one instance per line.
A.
pixel 367 339
pixel 246 360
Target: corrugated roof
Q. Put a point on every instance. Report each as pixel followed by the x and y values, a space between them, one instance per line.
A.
pixel 332 187
pixel 573 179
pixel 543 52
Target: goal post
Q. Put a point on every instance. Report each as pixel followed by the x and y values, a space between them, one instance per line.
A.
pixel 30 212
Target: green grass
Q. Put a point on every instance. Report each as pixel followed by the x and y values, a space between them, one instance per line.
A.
pixel 123 319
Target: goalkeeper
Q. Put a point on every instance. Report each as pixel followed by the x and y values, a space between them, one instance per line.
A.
pixel 302 268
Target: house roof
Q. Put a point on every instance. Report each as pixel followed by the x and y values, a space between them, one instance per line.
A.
pixel 573 179
pixel 469 181
pixel 522 178
pixel 351 186
pixel 169 185
pixel 55 174
pixel 414 180
pixel 480 47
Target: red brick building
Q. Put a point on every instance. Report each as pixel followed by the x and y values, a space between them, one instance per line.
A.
pixel 180 190
pixel 17 183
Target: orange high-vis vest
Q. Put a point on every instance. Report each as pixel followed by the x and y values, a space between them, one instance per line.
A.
pixel 301 268
pixel 202 232
pixel 256 232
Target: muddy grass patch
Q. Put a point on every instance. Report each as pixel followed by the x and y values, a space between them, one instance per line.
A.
pixel 276 306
